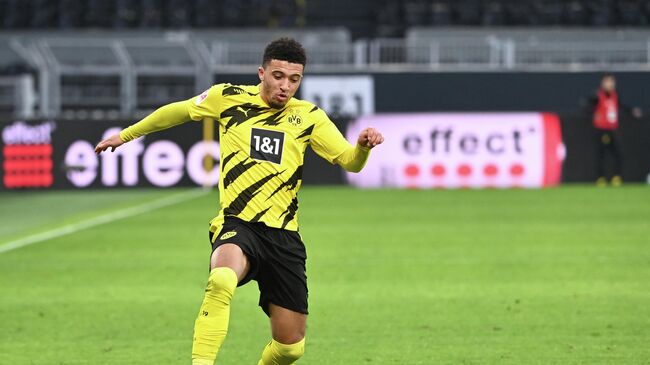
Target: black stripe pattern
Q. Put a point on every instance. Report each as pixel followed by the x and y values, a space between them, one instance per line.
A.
pixel 237 171
pixel 306 133
pixel 241 201
pixel 290 212
pixel 272 120
pixel 259 215
pixel 232 90
pixel 227 159
pixel 291 183
pixel 239 114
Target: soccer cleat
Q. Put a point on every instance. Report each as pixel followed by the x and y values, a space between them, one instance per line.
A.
pixel 601 181
pixel 617 181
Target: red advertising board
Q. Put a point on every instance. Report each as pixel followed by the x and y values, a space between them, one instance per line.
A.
pixel 60 154
pixel 27 155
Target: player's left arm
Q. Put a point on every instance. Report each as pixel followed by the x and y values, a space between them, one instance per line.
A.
pixel 328 142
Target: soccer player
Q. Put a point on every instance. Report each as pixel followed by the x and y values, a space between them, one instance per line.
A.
pixel 264 132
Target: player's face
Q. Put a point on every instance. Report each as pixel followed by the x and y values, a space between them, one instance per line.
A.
pixel 280 81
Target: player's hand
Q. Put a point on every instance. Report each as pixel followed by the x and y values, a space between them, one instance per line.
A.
pixel 111 142
pixel 370 137
pixel 637 113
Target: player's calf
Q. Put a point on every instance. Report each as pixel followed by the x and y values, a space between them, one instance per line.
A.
pixel 211 324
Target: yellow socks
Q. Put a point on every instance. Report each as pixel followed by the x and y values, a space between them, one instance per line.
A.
pixel 202 362
pixel 211 325
pixel 276 353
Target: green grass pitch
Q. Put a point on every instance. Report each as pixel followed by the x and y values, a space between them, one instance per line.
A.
pixel 557 276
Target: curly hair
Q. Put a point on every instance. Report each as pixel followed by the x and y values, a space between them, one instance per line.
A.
pixel 284 49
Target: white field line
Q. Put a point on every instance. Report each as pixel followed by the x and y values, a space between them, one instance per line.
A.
pixel 102 219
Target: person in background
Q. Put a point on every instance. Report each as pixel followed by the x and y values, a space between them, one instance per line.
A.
pixel 606 106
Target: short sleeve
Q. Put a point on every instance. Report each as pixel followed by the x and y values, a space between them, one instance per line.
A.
pixel 326 140
pixel 207 104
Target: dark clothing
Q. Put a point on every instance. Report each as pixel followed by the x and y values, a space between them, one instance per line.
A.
pixel 277 260
pixel 607 141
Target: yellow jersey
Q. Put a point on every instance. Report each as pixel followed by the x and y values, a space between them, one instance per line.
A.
pixel 262 151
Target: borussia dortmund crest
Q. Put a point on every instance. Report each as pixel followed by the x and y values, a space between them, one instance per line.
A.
pixel 294 118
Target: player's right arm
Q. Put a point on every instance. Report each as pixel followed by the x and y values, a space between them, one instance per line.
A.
pixel 167 116
pixel 164 117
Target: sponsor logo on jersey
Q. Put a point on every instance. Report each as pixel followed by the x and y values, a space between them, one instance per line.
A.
pixel 267 145
pixel 227 235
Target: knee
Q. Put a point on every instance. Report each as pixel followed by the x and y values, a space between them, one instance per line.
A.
pixel 222 281
pixel 290 353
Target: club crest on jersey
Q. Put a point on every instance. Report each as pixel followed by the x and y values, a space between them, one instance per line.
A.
pixel 294 119
pixel 227 235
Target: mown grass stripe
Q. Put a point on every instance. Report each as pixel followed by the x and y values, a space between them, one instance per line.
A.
pixel 102 219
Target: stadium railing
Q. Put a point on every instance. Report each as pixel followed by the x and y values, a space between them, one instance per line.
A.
pixel 18 96
pixel 131 72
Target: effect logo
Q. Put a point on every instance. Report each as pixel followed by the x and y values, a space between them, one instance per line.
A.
pixel 463 150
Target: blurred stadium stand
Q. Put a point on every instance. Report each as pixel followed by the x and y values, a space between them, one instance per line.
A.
pixel 365 18
pixel 123 57
pixel 121 14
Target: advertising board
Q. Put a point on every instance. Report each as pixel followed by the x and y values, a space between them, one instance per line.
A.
pixel 456 150
pixel 61 154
